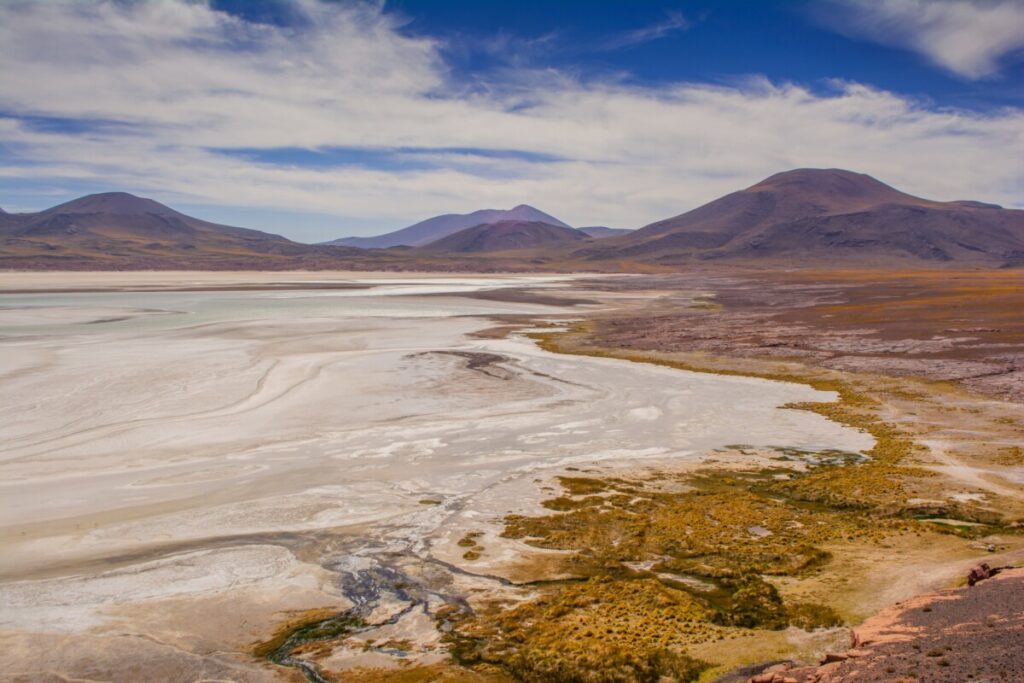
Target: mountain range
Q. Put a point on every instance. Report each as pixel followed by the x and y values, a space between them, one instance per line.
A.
pixel 826 214
pixel 600 231
pixel 507 236
pixel 119 230
pixel 433 229
pixel 799 217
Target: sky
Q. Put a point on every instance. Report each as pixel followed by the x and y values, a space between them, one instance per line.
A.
pixel 317 119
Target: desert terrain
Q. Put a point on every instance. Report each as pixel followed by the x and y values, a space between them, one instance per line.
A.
pixel 218 458
pixel 266 476
pixel 385 341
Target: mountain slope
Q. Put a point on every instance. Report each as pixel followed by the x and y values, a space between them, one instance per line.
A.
pixel 117 229
pixel 827 214
pixel 600 232
pixel 433 229
pixel 506 236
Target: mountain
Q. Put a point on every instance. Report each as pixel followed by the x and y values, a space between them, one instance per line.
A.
pixel 599 232
pixel 433 229
pixel 506 236
pixel 117 229
pixel 826 214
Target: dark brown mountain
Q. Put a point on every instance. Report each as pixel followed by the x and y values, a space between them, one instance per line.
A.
pixel 120 230
pixel 827 214
pixel 506 236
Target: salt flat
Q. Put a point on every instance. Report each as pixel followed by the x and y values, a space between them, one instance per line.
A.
pixel 183 467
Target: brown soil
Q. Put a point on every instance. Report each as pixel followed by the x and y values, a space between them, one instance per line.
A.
pixel 962 634
pixel 960 326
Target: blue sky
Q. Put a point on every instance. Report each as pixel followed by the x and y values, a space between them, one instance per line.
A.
pixel 317 119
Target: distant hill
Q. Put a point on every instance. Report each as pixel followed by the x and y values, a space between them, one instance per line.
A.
pixel 433 229
pixel 600 232
pixel 826 214
pixel 507 236
pixel 118 230
pixel 801 217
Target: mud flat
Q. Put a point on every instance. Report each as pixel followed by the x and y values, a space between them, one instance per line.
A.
pixel 185 471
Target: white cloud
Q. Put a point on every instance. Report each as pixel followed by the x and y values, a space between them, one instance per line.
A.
pixel 966 37
pixel 189 80
pixel 673 21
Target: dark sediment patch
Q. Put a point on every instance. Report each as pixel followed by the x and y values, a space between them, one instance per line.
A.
pixel 478 361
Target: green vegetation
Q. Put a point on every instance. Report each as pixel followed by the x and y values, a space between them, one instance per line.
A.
pixel 599 630
pixel 710 551
pixel 1010 456
pixel 674 561
pixel 680 560
pixel 470 541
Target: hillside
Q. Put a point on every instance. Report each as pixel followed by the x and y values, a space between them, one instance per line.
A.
pixel 599 232
pixel 806 216
pixel 827 214
pixel 507 236
pixel 433 229
pixel 120 230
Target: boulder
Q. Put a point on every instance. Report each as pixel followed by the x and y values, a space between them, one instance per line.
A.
pixel 978 573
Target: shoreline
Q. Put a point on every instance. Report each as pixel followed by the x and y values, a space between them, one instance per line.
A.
pixel 806 483
pixel 902 456
pixel 938 546
pixel 934 555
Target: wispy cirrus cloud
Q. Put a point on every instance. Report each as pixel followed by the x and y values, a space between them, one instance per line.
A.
pixel 965 37
pixel 344 114
pixel 673 22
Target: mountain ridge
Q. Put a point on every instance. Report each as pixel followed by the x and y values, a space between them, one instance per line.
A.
pixel 803 216
pixel 118 229
pixel 827 214
pixel 432 229
pixel 506 236
pixel 603 231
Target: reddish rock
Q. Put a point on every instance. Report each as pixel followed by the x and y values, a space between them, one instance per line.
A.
pixel 979 573
pixel 952 636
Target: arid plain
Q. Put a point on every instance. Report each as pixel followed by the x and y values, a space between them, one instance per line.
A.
pixel 267 476
pixel 216 459
pixel 406 341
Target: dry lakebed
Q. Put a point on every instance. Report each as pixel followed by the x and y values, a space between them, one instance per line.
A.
pixel 198 467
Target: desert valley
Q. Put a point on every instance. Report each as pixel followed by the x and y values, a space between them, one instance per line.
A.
pixel 732 393
pixel 355 476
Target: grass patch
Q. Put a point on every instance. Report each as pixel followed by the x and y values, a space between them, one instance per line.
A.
pixel 727 529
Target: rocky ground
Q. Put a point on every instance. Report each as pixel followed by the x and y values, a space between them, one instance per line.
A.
pixel 964 327
pixel 940 357
pixel 974 633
